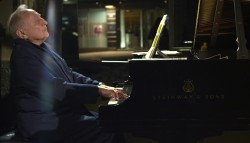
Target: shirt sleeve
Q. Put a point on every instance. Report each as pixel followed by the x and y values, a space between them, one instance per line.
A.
pixel 79 78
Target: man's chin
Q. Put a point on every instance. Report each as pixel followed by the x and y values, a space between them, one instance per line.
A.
pixel 46 37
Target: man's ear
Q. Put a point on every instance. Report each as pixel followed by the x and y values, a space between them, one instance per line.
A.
pixel 21 34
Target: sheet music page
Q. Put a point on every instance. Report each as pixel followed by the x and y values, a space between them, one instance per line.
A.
pixel 155 43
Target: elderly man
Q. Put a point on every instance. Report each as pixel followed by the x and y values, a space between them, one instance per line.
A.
pixel 50 97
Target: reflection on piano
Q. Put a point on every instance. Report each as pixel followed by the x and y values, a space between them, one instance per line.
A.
pixel 182 100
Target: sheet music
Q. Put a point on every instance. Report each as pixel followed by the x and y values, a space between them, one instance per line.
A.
pixel 158 34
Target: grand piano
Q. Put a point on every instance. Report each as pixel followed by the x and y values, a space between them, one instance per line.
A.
pixel 186 99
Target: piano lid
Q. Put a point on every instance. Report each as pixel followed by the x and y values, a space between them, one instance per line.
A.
pixel 215 24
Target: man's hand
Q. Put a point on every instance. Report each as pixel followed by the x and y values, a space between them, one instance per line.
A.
pixel 112 92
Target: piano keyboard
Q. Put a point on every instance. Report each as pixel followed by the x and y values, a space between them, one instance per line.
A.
pixel 127 89
pixel 112 101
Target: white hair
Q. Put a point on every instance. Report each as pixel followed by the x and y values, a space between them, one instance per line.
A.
pixel 15 20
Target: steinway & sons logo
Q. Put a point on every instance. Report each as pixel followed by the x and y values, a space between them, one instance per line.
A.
pixel 190 94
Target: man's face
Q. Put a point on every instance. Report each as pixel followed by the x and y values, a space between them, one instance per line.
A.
pixel 34 27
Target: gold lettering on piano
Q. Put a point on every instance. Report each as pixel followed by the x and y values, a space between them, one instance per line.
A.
pixel 190 97
pixel 215 97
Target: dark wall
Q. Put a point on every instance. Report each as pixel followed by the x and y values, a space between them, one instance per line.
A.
pixel 70 50
pixel 182 15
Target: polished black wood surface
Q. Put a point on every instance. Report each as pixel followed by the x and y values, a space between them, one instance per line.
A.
pixel 198 96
